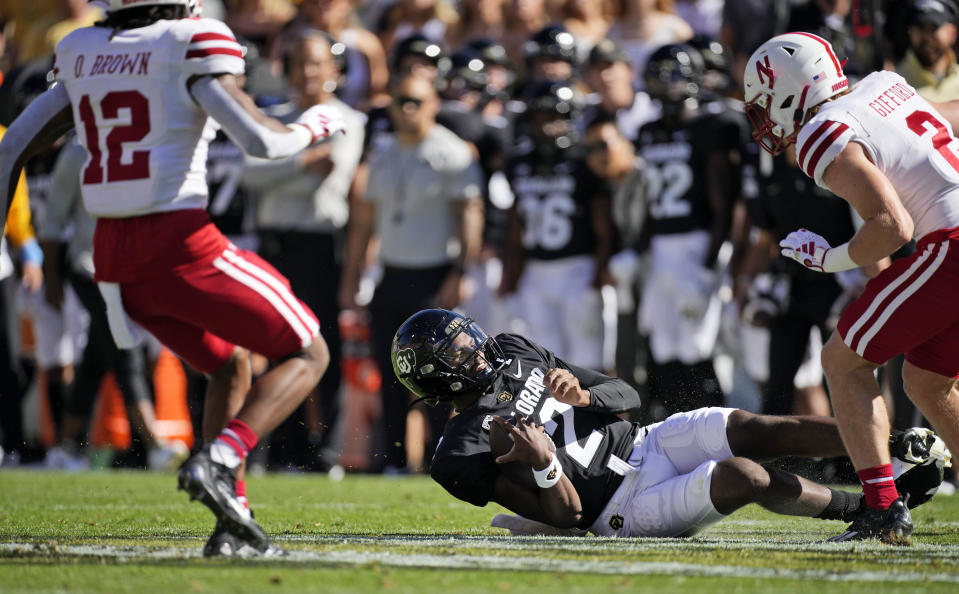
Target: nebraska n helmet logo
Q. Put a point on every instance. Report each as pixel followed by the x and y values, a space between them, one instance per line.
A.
pixel 765 70
pixel 405 360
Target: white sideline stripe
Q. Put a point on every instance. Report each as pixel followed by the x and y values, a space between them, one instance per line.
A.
pixel 482 562
pixel 901 297
pixel 277 286
pixel 854 329
pixel 274 299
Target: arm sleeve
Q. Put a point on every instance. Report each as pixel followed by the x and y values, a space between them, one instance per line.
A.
pixel 253 137
pixel 470 478
pixel 261 174
pixel 606 394
pixel 19 136
pixel 65 191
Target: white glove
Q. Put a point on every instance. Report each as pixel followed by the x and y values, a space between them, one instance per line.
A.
pixel 322 121
pixel 814 252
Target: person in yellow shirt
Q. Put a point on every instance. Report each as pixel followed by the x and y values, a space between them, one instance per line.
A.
pixel 22 239
pixel 930 62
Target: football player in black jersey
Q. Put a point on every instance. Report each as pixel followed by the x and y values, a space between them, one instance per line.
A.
pixel 608 475
pixel 561 230
pixel 692 164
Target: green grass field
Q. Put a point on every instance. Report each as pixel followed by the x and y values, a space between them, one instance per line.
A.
pixel 133 532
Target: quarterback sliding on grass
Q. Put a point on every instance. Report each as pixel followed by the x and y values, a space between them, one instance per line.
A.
pixel 543 438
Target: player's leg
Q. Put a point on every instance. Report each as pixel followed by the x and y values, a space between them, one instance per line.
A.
pixel 200 313
pixel 930 377
pixel 767 437
pixel 737 482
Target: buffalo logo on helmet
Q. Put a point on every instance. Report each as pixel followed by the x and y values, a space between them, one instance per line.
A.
pixel 616 522
pixel 405 361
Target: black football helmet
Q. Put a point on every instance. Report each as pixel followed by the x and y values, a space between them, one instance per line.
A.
pixel 552 108
pixel 552 41
pixel 674 73
pixel 465 71
pixel 717 62
pixel 440 355
pixel 417 45
pixel 500 76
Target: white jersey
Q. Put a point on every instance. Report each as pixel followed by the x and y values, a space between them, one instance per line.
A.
pixel 146 137
pixel 907 139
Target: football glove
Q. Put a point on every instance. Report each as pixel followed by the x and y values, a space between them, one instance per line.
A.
pixel 322 121
pixel 814 252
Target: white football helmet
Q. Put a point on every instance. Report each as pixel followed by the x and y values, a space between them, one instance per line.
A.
pixel 194 8
pixel 785 77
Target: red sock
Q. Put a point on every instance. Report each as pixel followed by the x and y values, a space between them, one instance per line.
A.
pixel 241 493
pixel 239 437
pixel 878 486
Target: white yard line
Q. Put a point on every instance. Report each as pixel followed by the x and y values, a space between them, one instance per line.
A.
pixel 481 562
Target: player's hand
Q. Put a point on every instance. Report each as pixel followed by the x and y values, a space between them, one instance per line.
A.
pixel 530 443
pixel 807 248
pixel 32 277
pixel 564 387
pixel 450 293
pixel 322 121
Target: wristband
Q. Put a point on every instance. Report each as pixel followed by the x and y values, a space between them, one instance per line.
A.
pixel 549 476
pixel 31 253
pixel 837 259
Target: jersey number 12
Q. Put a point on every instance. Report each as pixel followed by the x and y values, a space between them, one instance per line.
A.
pixel 138 127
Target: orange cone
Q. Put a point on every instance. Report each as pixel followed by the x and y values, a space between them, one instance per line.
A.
pixel 110 428
pixel 172 414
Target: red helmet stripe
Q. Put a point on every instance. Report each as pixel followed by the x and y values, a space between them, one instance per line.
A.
pixel 826 45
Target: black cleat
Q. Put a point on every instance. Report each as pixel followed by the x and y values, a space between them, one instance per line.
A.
pixel 919 445
pixel 215 486
pixel 224 544
pixel 221 543
pixel 891 526
pixel 919 460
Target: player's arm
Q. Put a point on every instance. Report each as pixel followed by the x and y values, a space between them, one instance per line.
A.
pixel 578 386
pixel 950 111
pixel 259 135
pixel 722 171
pixel 601 210
pixel 359 235
pixel 887 225
pixel 514 259
pixel 43 121
pixel 556 501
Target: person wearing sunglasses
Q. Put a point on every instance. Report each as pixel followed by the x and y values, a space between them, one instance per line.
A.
pixel 423 202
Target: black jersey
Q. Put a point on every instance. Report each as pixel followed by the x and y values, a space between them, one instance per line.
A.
pixel 230 206
pixel 590 441
pixel 676 168
pixel 553 202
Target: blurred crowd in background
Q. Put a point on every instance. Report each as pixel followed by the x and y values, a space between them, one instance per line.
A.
pixel 588 160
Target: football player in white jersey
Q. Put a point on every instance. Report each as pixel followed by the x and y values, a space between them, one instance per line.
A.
pixel 893 156
pixel 143 88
